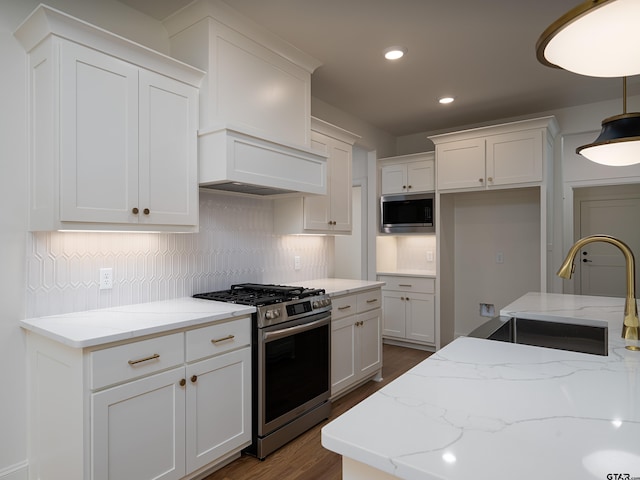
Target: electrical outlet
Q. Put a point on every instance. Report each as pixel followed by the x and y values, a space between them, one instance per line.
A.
pixel 487 310
pixel 296 263
pixel 106 278
pixel 499 257
pixel 429 256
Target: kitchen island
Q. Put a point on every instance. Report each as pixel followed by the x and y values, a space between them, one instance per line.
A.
pixel 486 409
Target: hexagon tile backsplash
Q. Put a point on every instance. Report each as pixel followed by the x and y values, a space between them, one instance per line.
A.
pixel 235 244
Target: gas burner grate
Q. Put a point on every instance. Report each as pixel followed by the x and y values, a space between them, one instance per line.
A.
pixel 258 295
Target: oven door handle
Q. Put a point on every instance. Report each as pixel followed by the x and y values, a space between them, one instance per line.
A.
pixel 286 332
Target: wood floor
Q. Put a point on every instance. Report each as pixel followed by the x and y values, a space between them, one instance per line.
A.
pixel 304 458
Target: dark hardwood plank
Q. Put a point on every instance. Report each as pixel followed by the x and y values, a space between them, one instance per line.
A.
pixel 304 458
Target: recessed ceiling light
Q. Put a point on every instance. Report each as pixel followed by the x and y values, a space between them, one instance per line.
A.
pixel 394 53
pixel 445 100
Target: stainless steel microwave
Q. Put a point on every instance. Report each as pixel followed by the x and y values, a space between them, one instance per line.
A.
pixel 407 213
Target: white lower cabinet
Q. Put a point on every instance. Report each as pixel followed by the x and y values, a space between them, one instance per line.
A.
pixel 409 309
pixel 161 408
pixel 138 429
pixel 356 344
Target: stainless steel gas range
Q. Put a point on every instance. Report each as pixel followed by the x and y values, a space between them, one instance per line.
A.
pixel 291 360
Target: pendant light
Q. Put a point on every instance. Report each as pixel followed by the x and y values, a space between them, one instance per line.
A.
pixel 598 38
pixel 619 141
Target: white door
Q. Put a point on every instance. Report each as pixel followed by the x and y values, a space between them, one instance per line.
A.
pixel 138 429
pixel 369 345
pixel 218 407
pixel 98 136
pixel 421 317
pixel 343 353
pixel 600 267
pixel 168 159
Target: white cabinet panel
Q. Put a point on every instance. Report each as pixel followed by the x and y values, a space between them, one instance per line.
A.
pixel 138 429
pixel 514 158
pixel 356 342
pixel 98 136
pixel 218 408
pixel 461 164
pixel 168 146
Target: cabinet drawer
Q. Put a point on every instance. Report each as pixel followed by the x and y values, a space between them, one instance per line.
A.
pixel 344 306
pixel 369 300
pixel 136 359
pixel 218 338
pixel 409 284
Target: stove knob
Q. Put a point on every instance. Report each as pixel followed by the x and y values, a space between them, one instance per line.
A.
pixel 271 314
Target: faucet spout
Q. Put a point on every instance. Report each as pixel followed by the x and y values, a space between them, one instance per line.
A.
pixel 631 324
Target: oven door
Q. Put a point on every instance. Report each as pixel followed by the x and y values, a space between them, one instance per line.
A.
pixel 293 369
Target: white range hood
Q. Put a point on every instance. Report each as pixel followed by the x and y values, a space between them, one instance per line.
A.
pixel 232 159
pixel 255 103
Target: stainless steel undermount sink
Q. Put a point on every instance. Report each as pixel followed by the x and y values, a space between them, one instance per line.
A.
pixel 585 338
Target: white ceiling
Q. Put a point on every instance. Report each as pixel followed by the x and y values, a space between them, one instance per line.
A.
pixel 480 52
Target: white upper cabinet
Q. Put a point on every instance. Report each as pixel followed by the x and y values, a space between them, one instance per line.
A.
pixel 407 174
pixel 330 213
pixel 113 131
pixel 515 154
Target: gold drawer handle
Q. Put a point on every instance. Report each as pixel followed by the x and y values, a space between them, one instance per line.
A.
pixel 373 300
pixel 405 285
pixel 345 307
pixel 146 359
pixel 223 339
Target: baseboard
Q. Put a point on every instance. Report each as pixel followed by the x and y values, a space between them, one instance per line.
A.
pixel 19 471
pixel 402 343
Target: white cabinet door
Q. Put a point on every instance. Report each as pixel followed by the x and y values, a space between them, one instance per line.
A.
pixel 98 136
pixel 343 353
pixel 514 158
pixel 317 208
pixel 168 159
pixel 393 179
pixel 420 176
pixel 138 429
pixel 331 211
pixel 420 316
pixel 218 407
pixel 461 164
pixel 340 180
pixel 394 316
pixel 369 344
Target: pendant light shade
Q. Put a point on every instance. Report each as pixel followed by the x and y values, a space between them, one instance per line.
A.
pixel 598 38
pixel 619 141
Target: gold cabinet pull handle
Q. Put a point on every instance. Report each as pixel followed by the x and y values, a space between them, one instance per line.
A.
pixel 146 211
pixel 146 359
pixel 489 179
pixel 405 285
pixel 373 300
pixel 223 339
pixel 346 307
pixel 183 382
pixel 194 378
pixel 135 210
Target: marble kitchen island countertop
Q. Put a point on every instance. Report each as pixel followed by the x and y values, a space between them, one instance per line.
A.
pixel 486 409
pixel 98 327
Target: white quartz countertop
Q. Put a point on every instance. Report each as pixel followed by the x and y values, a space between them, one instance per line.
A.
pixel 341 286
pixel 486 409
pixel 98 327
